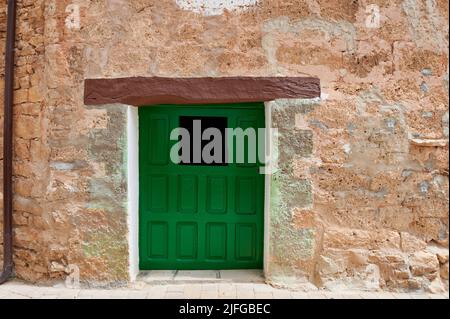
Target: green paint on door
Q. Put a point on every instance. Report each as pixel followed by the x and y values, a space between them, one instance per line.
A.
pixel 198 216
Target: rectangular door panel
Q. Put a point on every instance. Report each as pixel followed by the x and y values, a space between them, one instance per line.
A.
pixel 187 194
pixel 158 189
pixel 216 241
pixel 246 193
pixel 158 140
pixel 250 142
pixel 158 239
pixel 187 241
pixel 245 242
pixel 216 194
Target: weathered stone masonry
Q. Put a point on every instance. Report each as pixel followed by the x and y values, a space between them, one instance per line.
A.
pixel 361 197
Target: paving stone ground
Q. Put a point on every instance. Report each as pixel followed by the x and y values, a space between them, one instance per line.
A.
pixel 19 290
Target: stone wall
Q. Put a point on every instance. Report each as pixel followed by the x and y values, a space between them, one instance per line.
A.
pixel 361 197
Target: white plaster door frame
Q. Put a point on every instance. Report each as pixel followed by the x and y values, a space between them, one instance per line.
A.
pixel 133 189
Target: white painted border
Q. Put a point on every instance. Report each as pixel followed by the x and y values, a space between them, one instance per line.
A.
pixel 267 181
pixel 133 189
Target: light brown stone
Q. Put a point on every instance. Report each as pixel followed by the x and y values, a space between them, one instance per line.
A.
pixel 27 127
pixel 423 263
pixel 378 164
pixel 444 271
pixel 410 243
pixel 20 96
pixel 34 94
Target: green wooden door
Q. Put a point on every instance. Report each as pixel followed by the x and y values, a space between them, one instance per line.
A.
pixel 198 216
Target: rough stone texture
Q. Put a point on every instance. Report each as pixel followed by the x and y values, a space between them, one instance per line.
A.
pixel 156 90
pixel 357 201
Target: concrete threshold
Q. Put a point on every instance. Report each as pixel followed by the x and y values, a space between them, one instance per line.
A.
pixel 162 277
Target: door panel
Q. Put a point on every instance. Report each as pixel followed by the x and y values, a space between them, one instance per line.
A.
pixel 158 193
pixel 187 241
pixel 216 241
pixel 158 129
pixel 157 240
pixel 187 194
pixel 246 195
pixel 199 215
pixel 245 242
pixel 216 195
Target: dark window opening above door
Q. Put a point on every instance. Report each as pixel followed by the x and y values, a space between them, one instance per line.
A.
pixel 197 126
